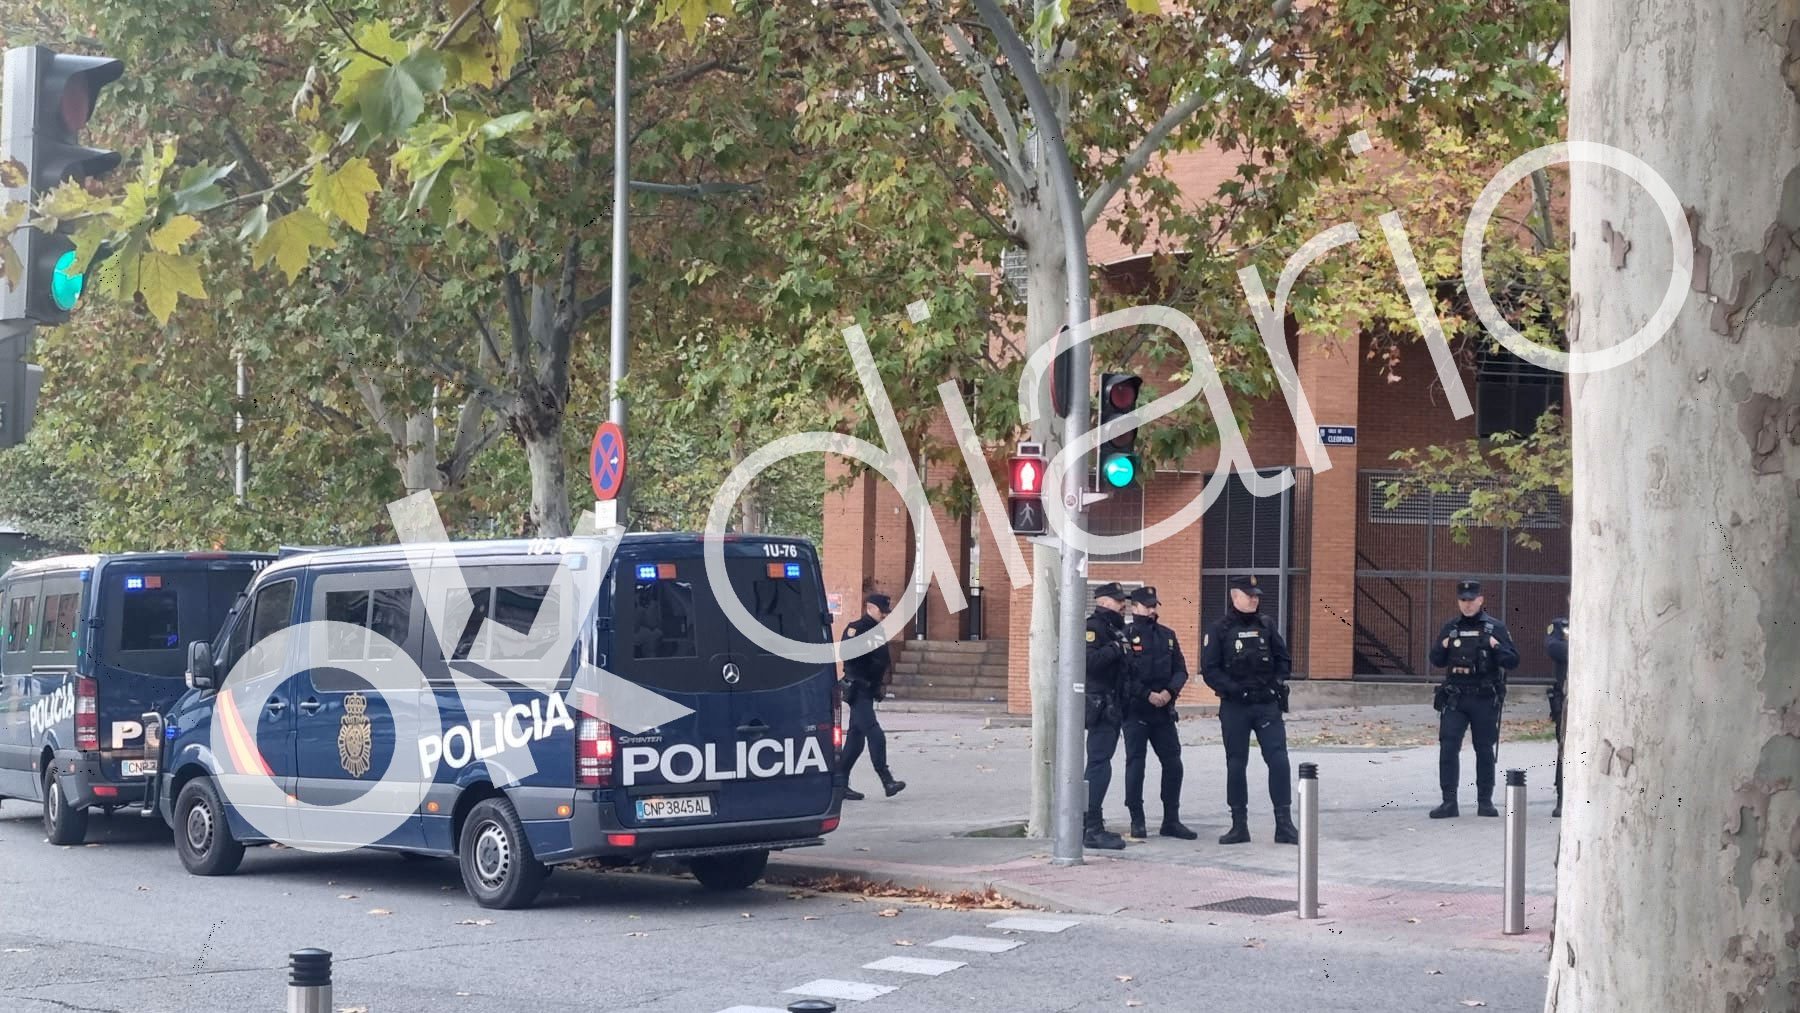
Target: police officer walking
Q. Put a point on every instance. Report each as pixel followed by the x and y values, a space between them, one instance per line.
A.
pixel 1110 664
pixel 1556 644
pixel 1246 663
pixel 863 677
pixel 1156 683
pixel 1476 651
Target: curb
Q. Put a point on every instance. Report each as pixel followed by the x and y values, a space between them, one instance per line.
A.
pixel 785 872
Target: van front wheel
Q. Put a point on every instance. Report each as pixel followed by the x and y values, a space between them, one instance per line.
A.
pixel 498 868
pixel 63 823
pixel 730 872
pixel 202 838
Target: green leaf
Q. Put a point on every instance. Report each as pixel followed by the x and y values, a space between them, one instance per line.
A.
pixel 256 225
pixel 500 126
pixel 291 240
pixel 393 98
pixel 1144 6
pixel 163 278
pixel 199 190
pixel 170 236
pixel 344 194
pixel 87 241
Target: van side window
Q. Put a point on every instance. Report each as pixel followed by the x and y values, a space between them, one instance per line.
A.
pixel 270 612
pixel 466 643
pixel 382 616
pixel 18 624
pixel 60 612
pixel 148 621
pixel 664 626
pixel 516 609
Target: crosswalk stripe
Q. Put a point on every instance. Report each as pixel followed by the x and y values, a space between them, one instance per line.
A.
pixel 977 944
pixel 752 1009
pixel 852 991
pixel 1034 924
pixel 915 965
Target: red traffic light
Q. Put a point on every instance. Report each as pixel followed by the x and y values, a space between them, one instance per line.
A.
pixel 1027 476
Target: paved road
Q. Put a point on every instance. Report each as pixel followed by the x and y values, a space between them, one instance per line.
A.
pixel 121 927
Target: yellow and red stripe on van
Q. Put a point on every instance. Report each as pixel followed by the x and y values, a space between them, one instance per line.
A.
pixel 239 741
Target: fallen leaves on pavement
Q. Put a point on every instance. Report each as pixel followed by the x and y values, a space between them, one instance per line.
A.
pixel 476 921
pixel 967 900
pixel 888 912
pixel 380 911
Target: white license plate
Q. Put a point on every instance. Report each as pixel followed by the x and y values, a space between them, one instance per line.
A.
pixel 138 768
pixel 674 808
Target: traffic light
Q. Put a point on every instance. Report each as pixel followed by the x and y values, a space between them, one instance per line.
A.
pixel 19 384
pixel 1118 462
pixel 46 104
pixel 1025 505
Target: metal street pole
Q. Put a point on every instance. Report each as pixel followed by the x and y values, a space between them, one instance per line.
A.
pixel 1070 798
pixel 242 478
pixel 621 251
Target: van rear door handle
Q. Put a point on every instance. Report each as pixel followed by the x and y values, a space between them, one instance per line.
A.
pixel 755 726
pixel 277 705
pixel 309 705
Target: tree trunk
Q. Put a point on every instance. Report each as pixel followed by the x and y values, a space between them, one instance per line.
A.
pixel 542 437
pixel 1046 310
pixel 419 457
pixel 1680 868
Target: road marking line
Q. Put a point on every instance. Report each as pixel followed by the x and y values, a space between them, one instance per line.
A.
pixel 852 991
pixel 915 965
pixel 752 1009
pixel 1033 924
pixel 977 944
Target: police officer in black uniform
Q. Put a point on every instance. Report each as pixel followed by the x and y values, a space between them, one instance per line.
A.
pixel 1556 644
pixel 1246 662
pixel 1476 651
pixel 1110 664
pixel 1157 680
pixel 863 677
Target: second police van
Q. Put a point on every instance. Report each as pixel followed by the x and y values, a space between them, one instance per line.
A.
pixel 88 645
pixel 751 770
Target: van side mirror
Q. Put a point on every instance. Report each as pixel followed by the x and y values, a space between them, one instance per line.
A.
pixel 200 665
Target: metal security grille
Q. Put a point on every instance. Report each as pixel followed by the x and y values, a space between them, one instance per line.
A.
pixel 1250 906
pixel 1406 575
pixel 1441 507
pixel 1271 537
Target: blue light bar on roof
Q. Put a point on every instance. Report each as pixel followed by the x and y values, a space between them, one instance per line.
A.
pixel 646 571
pixel 793 571
pixel 134 583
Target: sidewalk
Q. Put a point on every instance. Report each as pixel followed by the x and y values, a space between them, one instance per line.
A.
pixel 1384 866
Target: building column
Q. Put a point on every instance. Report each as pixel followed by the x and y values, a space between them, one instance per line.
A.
pixel 849 549
pixel 1331 375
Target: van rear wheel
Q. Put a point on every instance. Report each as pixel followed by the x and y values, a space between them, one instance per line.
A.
pixel 725 873
pixel 202 837
pixel 498 868
pixel 63 823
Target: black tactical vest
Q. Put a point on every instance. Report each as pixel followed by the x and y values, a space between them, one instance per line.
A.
pixel 1252 654
pixel 1469 654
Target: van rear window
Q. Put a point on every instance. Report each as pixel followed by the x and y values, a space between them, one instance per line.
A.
pixel 781 597
pixel 664 626
pixel 150 621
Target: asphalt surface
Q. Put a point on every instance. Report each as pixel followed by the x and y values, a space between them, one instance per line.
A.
pixel 122 927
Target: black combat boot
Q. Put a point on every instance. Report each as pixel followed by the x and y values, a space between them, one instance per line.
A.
pixel 1240 829
pixel 1096 837
pixel 1285 831
pixel 1172 826
pixel 891 786
pixel 1484 805
pixel 1138 832
pixel 1446 811
pixel 852 795
pixel 1556 813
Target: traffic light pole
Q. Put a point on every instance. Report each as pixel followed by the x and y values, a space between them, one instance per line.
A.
pixel 1070 800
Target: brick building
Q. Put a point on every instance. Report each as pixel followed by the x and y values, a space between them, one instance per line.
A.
pixel 1358 588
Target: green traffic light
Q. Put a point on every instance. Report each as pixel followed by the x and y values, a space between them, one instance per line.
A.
pixel 1119 471
pixel 65 285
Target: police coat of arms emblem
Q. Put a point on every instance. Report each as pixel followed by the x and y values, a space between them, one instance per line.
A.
pixel 356 741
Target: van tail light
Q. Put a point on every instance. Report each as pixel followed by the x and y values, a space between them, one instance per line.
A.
pixel 87 715
pixel 830 824
pixel 837 716
pixel 593 753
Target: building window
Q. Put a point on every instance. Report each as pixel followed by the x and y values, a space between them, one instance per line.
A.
pixel 1269 536
pixel 1438 508
pixel 1511 393
pixel 1121 513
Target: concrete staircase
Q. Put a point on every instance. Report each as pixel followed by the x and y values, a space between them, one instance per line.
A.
pixel 971 671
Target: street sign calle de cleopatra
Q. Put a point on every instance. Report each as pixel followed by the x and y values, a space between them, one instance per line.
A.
pixel 606 461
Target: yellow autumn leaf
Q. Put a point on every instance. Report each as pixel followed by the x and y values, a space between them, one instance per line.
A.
pixel 174 232
pixel 291 240
pixel 344 194
pixel 1144 6
pixel 10 268
pixel 163 278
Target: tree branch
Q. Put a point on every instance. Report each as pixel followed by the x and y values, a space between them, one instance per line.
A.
pixel 516 317
pixel 471 439
pixel 253 166
pixel 986 76
pixel 457 25
pixel 1011 173
pixel 601 300
pixel 1545 232
pixel 384 416
pixel 1171 121
pixel 694 191
pixel 687 74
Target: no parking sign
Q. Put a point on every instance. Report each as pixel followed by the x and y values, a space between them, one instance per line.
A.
pixel 606 461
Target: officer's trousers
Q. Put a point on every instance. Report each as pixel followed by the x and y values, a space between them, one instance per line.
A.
pixel 1140 737
pixel 1557 702
pixel 864 725
pixel 1102 743
pixel 1238 720
pixel 1480 716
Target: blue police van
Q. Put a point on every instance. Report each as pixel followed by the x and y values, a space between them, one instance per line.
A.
pixel 88 646
pixel 750 770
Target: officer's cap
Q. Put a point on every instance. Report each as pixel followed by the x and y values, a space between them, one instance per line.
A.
pixel 1110 590
pixel 1246 583
pixel 1145 596
pixel 880 601
pixel 1468 590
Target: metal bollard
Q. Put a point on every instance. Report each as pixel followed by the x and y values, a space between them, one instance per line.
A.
pixel 812 1006
pixel 1309 840
pixel 1514 879
pixel 309 981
